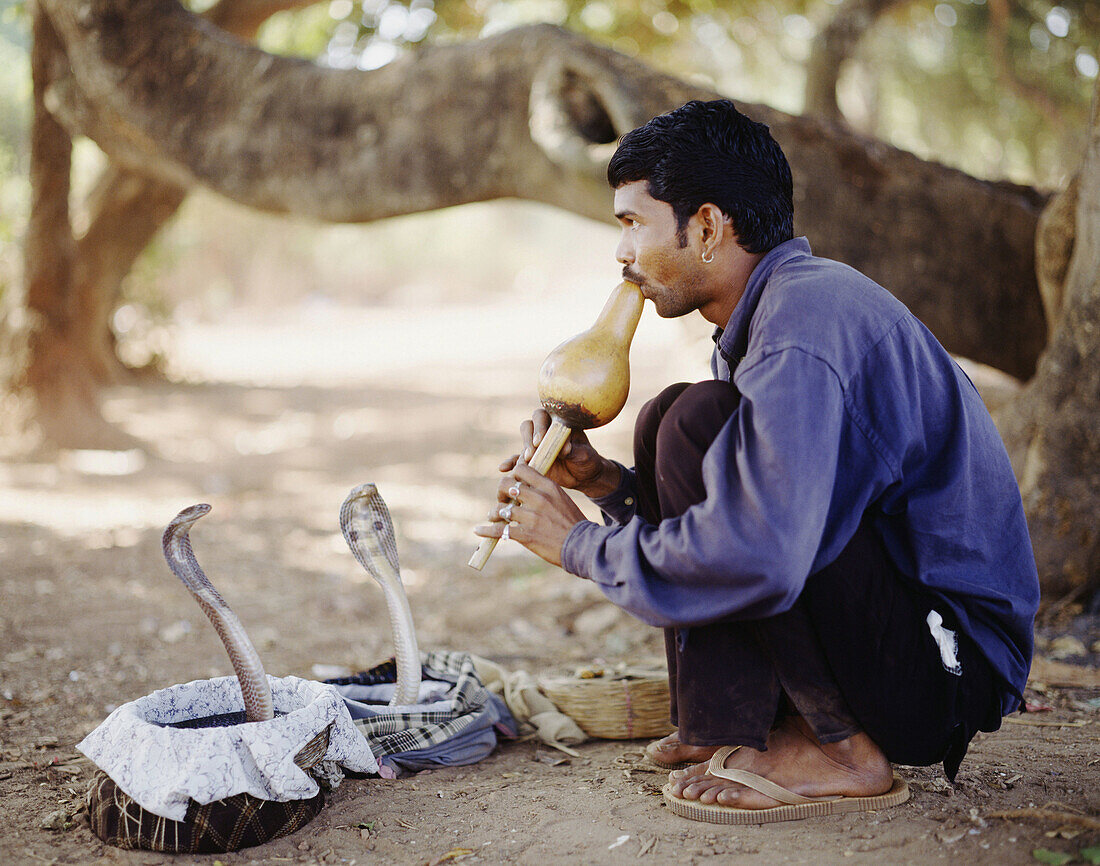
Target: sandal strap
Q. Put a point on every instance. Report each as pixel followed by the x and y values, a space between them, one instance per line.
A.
pixel 757 783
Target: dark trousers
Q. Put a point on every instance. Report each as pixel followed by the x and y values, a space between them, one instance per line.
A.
pixel 854 653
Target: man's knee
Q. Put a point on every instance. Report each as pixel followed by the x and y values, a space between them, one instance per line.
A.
pixel 649 421
pixel 699 412
pixel 651 413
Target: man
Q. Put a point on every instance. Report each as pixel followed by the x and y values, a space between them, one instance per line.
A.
pixel 829 531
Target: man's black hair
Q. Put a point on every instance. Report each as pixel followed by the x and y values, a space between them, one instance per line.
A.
pixel 710 152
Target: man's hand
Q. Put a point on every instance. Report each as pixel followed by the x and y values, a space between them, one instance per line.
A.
pixel 541 517
pixel 544 514
pixel 578 467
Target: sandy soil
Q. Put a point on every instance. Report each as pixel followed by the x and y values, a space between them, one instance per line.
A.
pixel 272 421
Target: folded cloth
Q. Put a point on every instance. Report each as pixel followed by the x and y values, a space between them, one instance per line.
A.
pixel 530 706
pixel 163 768
pixel 455 720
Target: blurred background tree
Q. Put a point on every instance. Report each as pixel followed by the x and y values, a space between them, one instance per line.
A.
pixel 997 88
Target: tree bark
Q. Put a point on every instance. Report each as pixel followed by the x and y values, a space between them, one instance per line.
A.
pixel 1051 429
pixel 64 390
pixel 835 44
pixel 1054 236
pixel 532 113
pixel 127 209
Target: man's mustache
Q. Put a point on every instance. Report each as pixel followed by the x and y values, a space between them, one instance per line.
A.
pixel 633 277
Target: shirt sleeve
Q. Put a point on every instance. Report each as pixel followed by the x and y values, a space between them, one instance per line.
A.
pixel 746 550
pixel 620 505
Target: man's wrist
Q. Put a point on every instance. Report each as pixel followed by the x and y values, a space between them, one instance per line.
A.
pixel 606 483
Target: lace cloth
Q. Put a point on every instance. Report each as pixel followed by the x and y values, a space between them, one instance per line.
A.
pixel 163 768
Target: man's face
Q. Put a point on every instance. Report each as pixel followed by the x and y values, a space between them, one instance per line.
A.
pixel 654 255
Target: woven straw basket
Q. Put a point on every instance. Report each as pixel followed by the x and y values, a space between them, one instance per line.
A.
pixel 613 705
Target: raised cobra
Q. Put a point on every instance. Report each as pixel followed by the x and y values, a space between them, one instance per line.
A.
pixel 368 530
pixel 255 689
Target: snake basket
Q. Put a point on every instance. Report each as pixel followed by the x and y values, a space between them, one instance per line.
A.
pixel 613 705
pixel 236 822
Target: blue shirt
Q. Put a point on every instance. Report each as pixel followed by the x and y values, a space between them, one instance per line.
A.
pixel 848 404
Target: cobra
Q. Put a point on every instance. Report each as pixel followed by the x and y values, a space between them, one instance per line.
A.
pixel 255 689
pixel 368 530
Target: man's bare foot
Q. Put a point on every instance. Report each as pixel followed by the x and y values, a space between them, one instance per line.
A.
pixel 794 759
pixel 670 752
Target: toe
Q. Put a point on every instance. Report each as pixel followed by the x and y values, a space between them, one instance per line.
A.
pixel 698 788
pixel 731 796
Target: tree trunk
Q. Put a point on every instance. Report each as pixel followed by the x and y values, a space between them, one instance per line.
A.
pixel 127 210
pixel 65 392
pixel 1052 429
pixel 835 44
pixel 532 113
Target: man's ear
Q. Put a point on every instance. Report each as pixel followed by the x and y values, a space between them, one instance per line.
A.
pixel 711 222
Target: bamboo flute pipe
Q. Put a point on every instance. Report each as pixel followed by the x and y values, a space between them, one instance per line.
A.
pixel 583 383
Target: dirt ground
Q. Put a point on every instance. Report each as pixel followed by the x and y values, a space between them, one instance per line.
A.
pixel 272 419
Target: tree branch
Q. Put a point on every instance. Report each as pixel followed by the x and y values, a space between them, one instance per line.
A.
pixel 458 123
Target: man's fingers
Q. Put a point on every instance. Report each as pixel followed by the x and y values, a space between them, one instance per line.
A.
pixel 526 475
pixel 490 530
pixel 526 433
pixel 504 488
pixel 540 423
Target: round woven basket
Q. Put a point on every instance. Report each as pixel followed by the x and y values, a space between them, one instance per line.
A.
pixel 613 705
pixel 236 822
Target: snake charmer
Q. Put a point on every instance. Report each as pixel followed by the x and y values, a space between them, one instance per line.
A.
pixel 828 531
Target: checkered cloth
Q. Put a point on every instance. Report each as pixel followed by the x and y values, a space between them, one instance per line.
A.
pixel 236 822
pixel 455 721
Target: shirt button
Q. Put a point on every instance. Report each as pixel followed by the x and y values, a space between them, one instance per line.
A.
pixel 628 501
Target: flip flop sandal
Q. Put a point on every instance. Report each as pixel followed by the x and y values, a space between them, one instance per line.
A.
pixel 669 765
pixel 665 765
pixel 795 806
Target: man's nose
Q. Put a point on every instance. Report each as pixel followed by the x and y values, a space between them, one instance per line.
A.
pixel 624 253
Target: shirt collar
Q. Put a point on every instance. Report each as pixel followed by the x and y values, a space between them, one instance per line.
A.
pixel 733 340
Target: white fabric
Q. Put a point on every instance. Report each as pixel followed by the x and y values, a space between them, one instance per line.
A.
pixel 947 641
pixel 163 768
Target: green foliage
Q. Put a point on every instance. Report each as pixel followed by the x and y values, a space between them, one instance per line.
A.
pixel 1007 100
pixel 1052 858
pixel 1060 858
pixel 15 101
pixel 304 33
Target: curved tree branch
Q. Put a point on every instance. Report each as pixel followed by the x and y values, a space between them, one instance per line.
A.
pixel 243 17
pixel 127 209
pixel 453 123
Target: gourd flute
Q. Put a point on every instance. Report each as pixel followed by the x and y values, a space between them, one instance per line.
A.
pixel 583 383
